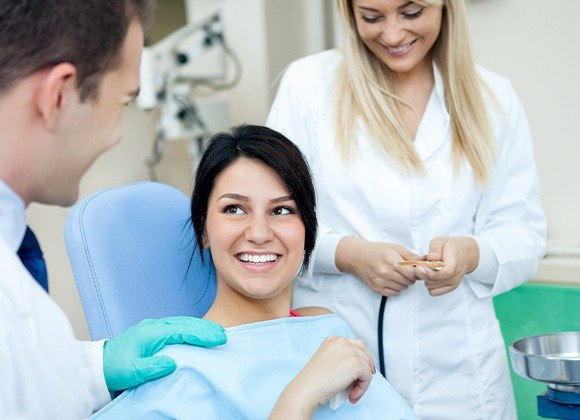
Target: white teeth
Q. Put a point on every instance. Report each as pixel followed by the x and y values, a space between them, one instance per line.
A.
pixel 258 258
pixel 400 49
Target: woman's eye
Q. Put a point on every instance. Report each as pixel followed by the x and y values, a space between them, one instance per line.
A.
pixel 412 14
pixel 233 209
pixel 283 211
pixel 371 19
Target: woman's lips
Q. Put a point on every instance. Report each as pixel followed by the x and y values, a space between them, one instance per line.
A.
pixel 400 50
pixel 258 262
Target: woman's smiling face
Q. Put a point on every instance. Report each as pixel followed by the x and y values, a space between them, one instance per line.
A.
pixel 400 33
pixel 254 231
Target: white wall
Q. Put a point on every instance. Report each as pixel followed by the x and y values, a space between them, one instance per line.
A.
pixel 535 44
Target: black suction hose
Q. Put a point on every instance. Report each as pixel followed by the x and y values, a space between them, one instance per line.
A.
pixel 380 336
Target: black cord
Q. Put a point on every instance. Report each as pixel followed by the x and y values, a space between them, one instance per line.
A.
pixel 380 336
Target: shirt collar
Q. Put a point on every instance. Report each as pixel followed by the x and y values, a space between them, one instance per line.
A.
pixel 440 89
pixel 12 216
pixel 433 129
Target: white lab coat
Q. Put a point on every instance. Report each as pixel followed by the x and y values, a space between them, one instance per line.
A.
pixel 444 354
pixel 44 372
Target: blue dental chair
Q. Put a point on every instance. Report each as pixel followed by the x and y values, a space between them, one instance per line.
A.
pixel 133 256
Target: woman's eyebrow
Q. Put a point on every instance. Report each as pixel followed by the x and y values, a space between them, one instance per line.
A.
pixel 240 197
pixel 370 9
pixel 282 199
pixel 234 196
pixel 367 9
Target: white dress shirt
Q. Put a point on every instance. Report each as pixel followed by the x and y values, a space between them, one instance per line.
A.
pixel 444 354
pixel 45 373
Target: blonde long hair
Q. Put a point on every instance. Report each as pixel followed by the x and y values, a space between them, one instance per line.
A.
pixel 365 89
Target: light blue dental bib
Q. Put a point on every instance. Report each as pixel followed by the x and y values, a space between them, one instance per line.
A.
pixel 243 378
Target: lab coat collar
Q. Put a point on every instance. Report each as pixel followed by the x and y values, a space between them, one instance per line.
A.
pixel 13 283
pixel 12 217
pixel 13 277
pixel 433 129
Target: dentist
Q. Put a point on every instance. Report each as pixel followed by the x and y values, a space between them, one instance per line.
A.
pixel 67 70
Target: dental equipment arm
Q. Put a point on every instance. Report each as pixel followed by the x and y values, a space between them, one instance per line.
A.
pixel 168 79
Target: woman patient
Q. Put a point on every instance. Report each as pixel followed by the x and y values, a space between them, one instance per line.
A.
pixel 253 206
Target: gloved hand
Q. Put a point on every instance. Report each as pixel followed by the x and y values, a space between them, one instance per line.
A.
pixel 128 358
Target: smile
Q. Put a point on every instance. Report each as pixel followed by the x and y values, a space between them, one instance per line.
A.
pixel 400 50
pixel 258 259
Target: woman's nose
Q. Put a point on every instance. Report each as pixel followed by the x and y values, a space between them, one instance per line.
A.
pixel 259 230
pixel 392 33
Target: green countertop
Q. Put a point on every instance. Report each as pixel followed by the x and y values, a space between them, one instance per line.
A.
pixel 536 309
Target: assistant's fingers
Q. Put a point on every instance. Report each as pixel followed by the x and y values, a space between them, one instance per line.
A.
pixel 440 288
pixel 400 278
pixel 406 276
pixel 408 255
pixel 436 247
pixel 427 274
pixel 388 292
pixel 390 287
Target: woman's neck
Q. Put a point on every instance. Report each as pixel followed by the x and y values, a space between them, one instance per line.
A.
pixel 237 310
pixel 415 89
pixel 421 74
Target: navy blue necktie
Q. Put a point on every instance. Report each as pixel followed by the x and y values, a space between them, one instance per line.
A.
pixel 31 256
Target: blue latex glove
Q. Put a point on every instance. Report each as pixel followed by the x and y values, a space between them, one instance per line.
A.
pixel 128 358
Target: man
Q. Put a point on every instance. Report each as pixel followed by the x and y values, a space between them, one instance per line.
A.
pixel 67 69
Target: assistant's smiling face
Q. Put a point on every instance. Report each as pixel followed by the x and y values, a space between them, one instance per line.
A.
pixel 400 33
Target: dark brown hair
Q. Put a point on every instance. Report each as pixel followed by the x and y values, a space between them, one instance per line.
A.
pixel 275 151
pixel 39 34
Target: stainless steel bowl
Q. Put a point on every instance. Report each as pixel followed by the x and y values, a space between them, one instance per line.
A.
pixel 551 358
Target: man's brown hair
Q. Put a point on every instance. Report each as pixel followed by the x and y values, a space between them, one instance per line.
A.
pixel 38 34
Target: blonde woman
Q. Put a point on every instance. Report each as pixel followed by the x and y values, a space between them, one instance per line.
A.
pixel 417 154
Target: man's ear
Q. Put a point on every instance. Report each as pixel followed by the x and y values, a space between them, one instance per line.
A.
pixel 57 89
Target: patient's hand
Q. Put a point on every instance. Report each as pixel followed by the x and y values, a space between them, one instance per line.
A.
pixel 340 363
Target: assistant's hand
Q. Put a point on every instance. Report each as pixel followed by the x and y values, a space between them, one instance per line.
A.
pixel 374 264
pixel 340 363
pixel 460 255
pixel 128 358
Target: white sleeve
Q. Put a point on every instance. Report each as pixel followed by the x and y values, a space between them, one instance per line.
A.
pixel 510 226
pixel 294 114
pixel 289 111
pixel 98 392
